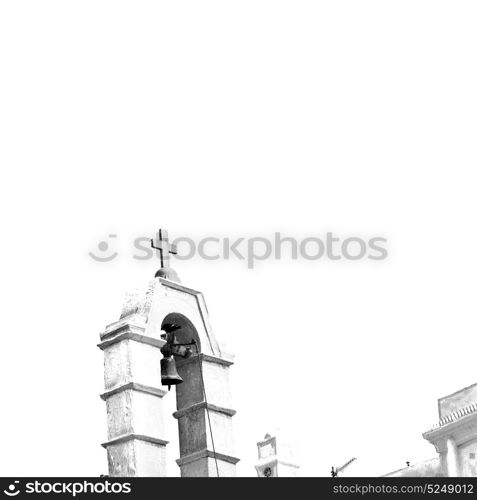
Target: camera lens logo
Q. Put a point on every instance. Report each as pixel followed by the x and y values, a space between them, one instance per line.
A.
pixel 12 490
pixel 103 246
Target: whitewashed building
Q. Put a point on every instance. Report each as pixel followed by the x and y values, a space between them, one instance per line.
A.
pixel 454 438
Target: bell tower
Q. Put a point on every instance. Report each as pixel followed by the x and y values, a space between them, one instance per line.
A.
pixel 136 442
pixel 273 460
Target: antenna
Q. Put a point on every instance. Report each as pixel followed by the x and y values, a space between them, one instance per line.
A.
pixel 336 470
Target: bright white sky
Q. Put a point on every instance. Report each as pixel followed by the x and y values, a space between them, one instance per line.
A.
pixel 241 118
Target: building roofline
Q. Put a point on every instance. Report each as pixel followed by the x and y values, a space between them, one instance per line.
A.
pixel 457 392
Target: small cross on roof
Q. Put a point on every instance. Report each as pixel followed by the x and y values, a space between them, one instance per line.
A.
pixel 165 248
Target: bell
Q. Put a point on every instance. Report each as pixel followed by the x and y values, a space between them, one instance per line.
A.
pixel 169 375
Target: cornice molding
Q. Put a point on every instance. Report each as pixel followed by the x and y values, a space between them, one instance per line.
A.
pixel 202 406
pixel 154 391
pixel 192 457
pixel 140 437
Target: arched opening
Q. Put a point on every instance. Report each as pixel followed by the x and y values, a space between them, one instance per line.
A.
pixel 190 391
pixel 202 406
pixel 187 332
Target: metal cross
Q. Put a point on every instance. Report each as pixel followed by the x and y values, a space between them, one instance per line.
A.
pixel 165 248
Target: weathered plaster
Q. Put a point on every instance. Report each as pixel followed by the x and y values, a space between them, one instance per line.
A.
pixel 136 443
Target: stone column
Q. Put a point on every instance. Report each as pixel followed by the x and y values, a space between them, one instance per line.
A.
pixel 197 456
pixel 452 458
pixel 133 395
